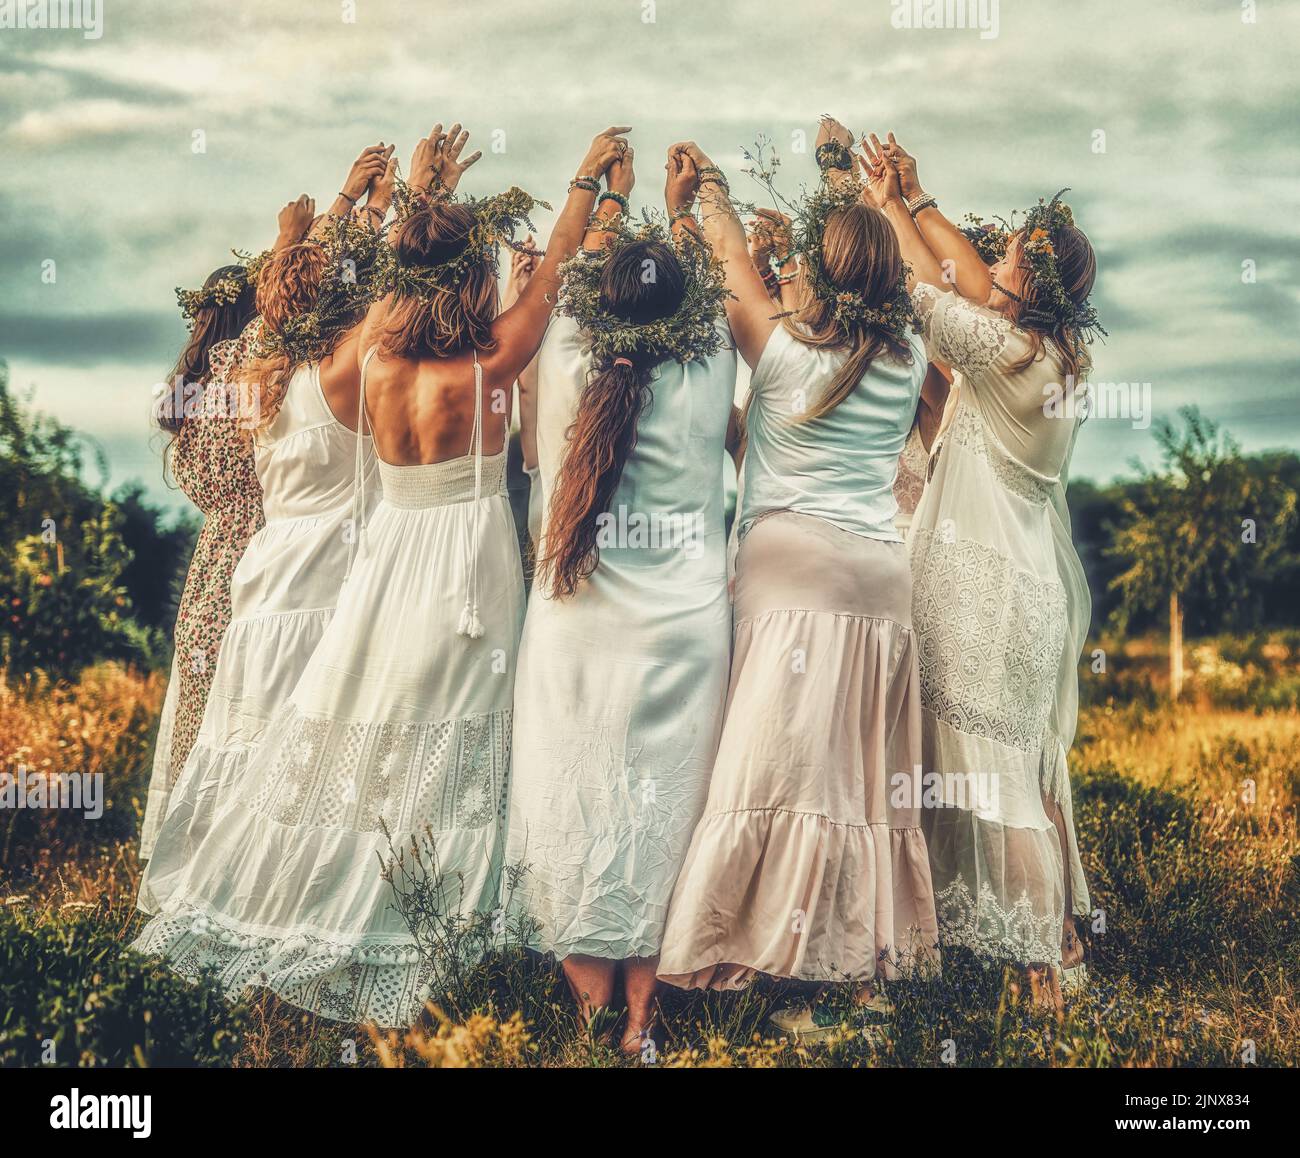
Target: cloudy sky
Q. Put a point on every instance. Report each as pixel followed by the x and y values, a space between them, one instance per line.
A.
pixel 1172 121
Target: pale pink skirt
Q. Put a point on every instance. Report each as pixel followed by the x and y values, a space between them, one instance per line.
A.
pixel 809 861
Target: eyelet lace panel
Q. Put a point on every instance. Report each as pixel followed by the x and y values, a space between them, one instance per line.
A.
pixel 967 337
pixel 990 640
pixel 979 922
pixel 361 776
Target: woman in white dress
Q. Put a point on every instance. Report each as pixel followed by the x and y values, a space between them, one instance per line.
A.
pixel 623 665
pixel 400 726
pixel 802 866
pixel 1000 599
pixel 286 585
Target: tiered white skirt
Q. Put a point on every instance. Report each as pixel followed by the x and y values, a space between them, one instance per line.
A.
pixel 398 731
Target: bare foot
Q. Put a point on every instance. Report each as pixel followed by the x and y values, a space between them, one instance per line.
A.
pixel 639 1041
pixel 1071 945
pixel 1045 988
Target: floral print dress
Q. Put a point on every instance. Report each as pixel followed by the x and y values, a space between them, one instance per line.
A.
pixel 212 459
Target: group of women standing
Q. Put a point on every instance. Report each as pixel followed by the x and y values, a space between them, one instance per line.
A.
pixel 701 761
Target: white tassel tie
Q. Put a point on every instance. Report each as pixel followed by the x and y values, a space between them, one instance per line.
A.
pixel 470 624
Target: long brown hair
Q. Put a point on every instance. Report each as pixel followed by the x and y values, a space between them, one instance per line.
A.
pixel 860 255
pixel 288 285
pixel 1076 265
pixel 212 324
pixel 455 316
pixel 604 430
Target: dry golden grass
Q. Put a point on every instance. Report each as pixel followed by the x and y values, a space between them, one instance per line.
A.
pixel 1188 825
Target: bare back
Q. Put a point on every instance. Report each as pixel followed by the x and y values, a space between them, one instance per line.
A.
pixel 422 411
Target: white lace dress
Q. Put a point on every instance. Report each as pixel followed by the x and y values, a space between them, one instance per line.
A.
pixel 399 729
pixel 1001 607
pixel 282 596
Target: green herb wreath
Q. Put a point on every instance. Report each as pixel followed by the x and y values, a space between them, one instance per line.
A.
pixel 690 333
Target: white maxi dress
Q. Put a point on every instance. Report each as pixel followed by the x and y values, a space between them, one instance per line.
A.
pixel 621 687
pixel 398 731
pixel 1001 609
pixel 283 594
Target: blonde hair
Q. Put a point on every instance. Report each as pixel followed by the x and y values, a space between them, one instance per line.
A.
pixel 859 255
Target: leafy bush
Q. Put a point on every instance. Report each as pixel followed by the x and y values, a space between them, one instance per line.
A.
pixel 72 984
pixel 82 577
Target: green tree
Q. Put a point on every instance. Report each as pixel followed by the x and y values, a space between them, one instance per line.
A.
pixel 1204 525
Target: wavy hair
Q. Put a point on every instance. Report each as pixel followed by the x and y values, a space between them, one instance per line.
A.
pixel 604 430
pixel 859 255
pixel 1076 265
pixel 454 317
pixel 288 285
pixel 212 324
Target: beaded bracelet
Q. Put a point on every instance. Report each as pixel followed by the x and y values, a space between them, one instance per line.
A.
pixel 922 201
pixel 617 198
pixel 590 184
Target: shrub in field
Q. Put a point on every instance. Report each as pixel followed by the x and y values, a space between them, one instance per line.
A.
pixel 101 726
pixel 70 995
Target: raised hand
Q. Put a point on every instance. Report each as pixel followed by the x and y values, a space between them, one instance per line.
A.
pixel 294 220
pixel 436 161
pixel 829 129
pixel 364 169
pixel 606 148
pixel 880 176
pixel 380 193
pixel 769 237
pixel 682 182
pixel 905 163
pixel 523 264
pixel 620 178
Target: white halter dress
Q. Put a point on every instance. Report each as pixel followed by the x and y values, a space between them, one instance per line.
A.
pixel 399 729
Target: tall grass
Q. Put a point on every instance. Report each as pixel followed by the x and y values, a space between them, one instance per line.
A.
pixel 1187 824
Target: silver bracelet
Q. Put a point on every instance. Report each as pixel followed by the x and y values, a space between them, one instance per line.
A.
pixel 921 201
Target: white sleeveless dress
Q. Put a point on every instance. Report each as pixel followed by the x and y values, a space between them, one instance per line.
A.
pixel 283 594
pixel 620 688
pixel 398 729
pixel 1001 607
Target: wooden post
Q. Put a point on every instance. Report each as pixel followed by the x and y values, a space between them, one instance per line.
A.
pixel 1175 647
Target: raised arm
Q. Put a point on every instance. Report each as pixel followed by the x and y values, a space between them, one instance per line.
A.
pixel 293 222
pixel 369 166
pixel 749 310
pixel 964 268
pixel 882 190
pixel 519 330
pixel 612 204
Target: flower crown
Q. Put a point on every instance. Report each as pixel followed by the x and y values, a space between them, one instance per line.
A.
pixel 808 216
pixel 224 291
pixel 689 334
pixel 496 220
pixel 347 288
pixel 1055 308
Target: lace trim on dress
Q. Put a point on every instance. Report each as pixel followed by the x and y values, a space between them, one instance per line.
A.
pixel 979 922
pixel 967 337
pixel 386 983
pixel 990 640
pixel 968 431
pixel 362 776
